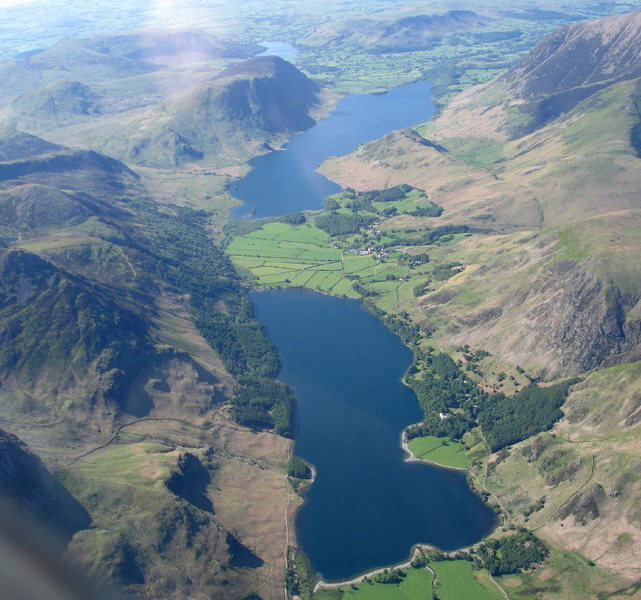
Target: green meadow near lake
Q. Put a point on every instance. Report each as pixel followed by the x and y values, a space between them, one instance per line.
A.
pixel 442 451
pixel 458 580
pixel 416 585
pixel 284 255
pixel 355 265
pixel 455 580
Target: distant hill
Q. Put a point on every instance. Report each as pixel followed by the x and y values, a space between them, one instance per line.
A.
pixel 176 45
pixel 116 56
pixel 55 103
pixel 402 35
pixel 259 101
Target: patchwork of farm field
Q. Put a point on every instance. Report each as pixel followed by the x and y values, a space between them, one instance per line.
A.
pixel 280 255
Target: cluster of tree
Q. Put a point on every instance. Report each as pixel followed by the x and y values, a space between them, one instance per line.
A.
pixel 359 203
pixel 538 505
pixel 390 576
pixel 441 385
pixel 453 426
pixel 340 224
pixel 393 194
pixel 363 201
pixel 474 356
pixel 298 468
pixel 416 260
pixel 434 235
pixel 295 218
pixel 330 203
pixel 507 420
pixel 188 261
pixel 421 288
pixel 431 209
pixel 444 271
pixel 262 403
pixel 512 554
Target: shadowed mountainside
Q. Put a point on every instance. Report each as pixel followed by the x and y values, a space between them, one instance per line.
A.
pixel 104 373
pixel 234 115
pixel 28 484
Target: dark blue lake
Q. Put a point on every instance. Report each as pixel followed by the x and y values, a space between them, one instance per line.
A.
pixel 366 507
pixel 286 180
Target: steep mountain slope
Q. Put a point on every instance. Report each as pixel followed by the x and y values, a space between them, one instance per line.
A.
pixel 26 482
pixel 501 164
pixel 542 166
pixel 16 144
pixel 560 302
pixel 610 52
pixel 106 373
pixel 234 115
pixel 86 343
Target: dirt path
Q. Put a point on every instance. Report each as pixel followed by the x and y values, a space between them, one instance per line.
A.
pixel 124 426
pixel 325 585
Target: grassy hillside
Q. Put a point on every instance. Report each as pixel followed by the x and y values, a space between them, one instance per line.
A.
pixel 541 165
pixel 120 323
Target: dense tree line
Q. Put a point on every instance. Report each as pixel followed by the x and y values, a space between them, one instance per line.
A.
pixel 400 324
pixel 393 194
pixel 431 209
pixel 340 224
pixel 507 420
pixel 193 265
pixel 295 218
pixel 262 403
pixel 434 235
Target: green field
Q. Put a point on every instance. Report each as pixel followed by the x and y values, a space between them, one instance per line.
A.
pixel 417 585
pixel 457 580
pixel 442 451
pixel 279 254
pixel 283 255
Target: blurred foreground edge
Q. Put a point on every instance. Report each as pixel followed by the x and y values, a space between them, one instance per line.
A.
pixel 33 565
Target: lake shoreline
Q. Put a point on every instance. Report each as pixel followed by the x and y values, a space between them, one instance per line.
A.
pixel 411 457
